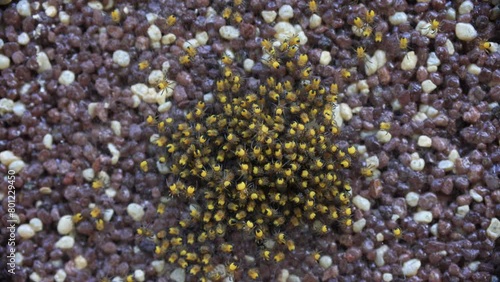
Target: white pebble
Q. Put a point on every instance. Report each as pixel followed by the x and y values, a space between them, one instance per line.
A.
pixel 325 58
pixel 67 77
pixel 462 211
pixel 383 136
pixel 108 213
pixel 293 278
pixel 4 62
pixel 139 275
pixel 325 261
pixel 449 47
pixel 165 107
pixel 423 217
pixel 446 165
pixel 17 166
pixel 358 225
pixel 474 69
pixel 433 62
pixel 493 230
pixel 80 262
pixel 65 225
pixel 116 126
pixel 361 203
pixel 7 157
pixel 432 112
pixel 424 141
pixel 154 33
pixel 428 86
pixel 419 116
pixel 412 199
pixel 66 242
pixel 285 12
pixel 178 275
pixel 96 5
pixel 370 65
pixel 36 224
pixel 379 255
pixel 387 277
pixel 35 277
pixel 168 39
pixel 139 89
pixel 372 161
pixel 25 231
pixel 158 265
pixel 60 275
pixel 155 77
pixel 284 30
pixel 268 16
pixel 248 65
pixel 51 11
pixel 135 211
pixel 202 37
pixel 417 165
pixel 43 62
pixel 410 268
pixel 465 8
pixel 88 174
pixel 345 111
pixel 314 21
pixel 121 57
pixel 64 18
pixel 115 153
pixel 23 8
pixel 229 32
pixel 434 229
pixel 23 38
pixel 453 155
pixel 475 196
pixel 398 18
pixel 409 61
pixel 465 31
pixel 19 109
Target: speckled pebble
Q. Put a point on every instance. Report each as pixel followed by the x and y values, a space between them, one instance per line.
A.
pixel 410 268
pixel 229 32
pixel 422 217
pixel 65 225
pixel 417 165
pixel 25 231
pixel 135 211
pixel 465 31
pixel 121 58
pixel 424 141
pixel 66 242
pixel 325 261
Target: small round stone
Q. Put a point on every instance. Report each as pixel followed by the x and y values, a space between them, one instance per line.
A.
pixel 51 11
pixel 19 109
pixel 229 32
pixel 67 77
pixel 493 230
pixel 155 77
pixel 398 18
pixel 325 261
pixel 154 33
pixel 36 224
pixel 446 165
pixel 465 31
pixel 462 211
pixel 17 165
pixel 379 255
pixel 465 8
pixel 80 262
pixel 410 268
pixel 325 58
pixel 139 275
pixel 345 111
pixel 383 136
pixel 284 30
pixel 293 278
pixel 23 38
pixel 158 265
pixel 285 12
pixel 121 58
pixel 428 86
pixel 65 225
pixel 422 217
pixel 475 196
pixel 409 61
pixel 412 199
pixel 115 153
pixel 424 141
pixel 202 37
pixel 248 65
pixel 4 62
pixel 178 275
pixel 25 231
pixel 23 8
pixel 66 242
pixel 60 275
pixel 361 203
pixel 417 165
pixel 269 16
pixel 358 225
pixel 135 211
pixel 314 21
pixel 387 277
pixel 43 62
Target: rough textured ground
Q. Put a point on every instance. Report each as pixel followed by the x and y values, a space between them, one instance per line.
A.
pixel 421 106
